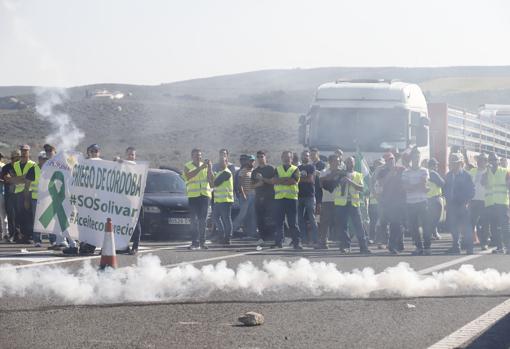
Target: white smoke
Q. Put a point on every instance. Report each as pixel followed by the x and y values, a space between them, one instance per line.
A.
pixel 66 135
pixel 149 281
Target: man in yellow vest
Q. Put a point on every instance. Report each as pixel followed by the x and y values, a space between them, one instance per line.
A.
pixel 223 199
pixel 285 180
pixel 497 182
pixel 347 205
pixel 199 178
pixel 31 193
pixel 23 216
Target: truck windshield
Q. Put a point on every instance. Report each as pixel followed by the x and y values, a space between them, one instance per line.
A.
pixel 364 128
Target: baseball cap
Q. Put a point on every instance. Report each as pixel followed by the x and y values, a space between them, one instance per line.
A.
pixel 15 153
pixel 24 147
pixel 387 156
pixel 94 147
pixel 48 147
pixel 243 157
pixel 251 157
pixel 455 157
pixel 42 155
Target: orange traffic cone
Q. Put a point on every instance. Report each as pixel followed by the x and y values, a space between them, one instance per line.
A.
pixel 108 255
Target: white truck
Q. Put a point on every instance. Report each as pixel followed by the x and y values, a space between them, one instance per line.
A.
pixel 367 116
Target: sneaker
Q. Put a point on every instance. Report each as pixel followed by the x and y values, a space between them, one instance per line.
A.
pixel 345 250
pixel 133 251
pixel 498 251
pixel 436 236
pixel 70 251
pixel 193 247
pixel 380 246
pixel 297 246
pixel 417 252
pixel 204 247
pixel 394 252
pixel 37 244
pixel 427 252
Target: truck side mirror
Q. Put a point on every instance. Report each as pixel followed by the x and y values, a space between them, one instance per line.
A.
pixel 422 136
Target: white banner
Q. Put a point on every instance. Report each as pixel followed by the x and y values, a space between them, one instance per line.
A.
pixel 77 195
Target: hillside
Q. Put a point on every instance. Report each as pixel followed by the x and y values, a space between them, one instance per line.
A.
pixel 243 112
pixel 164 132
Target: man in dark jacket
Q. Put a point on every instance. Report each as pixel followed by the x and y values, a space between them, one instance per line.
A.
pixel 459 189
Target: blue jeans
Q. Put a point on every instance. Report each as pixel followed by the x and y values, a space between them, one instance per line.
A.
pixel 137 234
pixel 35 236
pixel 286 208
pixel 497 215
pixel 306 208
pixel 342 215
pixel 223 218
pixel 198 209
pixel 247 217
pixel 459 224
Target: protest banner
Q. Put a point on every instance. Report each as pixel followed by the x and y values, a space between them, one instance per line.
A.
pixel 77 195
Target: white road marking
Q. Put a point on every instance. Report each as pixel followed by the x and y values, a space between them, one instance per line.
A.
pixel 473 329
pixel 74 259
pixel 211 259
pixel 452 262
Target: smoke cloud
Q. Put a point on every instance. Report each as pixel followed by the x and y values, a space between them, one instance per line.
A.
pixel 66 135
pixel 150 281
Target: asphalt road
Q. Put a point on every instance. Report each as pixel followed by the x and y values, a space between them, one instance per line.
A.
pixel 293 318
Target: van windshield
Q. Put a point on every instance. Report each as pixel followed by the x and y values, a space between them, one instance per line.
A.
pixel 352 128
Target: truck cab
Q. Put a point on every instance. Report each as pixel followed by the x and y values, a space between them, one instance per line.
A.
pixel 367 116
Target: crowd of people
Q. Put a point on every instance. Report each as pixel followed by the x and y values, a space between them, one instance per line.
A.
pixel 315 201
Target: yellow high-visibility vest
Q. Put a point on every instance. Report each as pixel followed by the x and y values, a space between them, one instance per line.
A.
pixel 225 191
pixel 350 191
pixel 434 190
pixel 34 186
pixel 497 191
pixel 198 185
pixel 17 170
pixel 286 191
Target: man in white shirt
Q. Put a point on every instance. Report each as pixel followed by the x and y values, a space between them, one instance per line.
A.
pixel 477 209
pixel 415 180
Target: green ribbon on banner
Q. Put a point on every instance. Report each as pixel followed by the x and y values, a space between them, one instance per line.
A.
pixel 57 199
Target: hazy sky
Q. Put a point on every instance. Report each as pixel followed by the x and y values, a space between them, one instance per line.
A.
pixel 70 42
